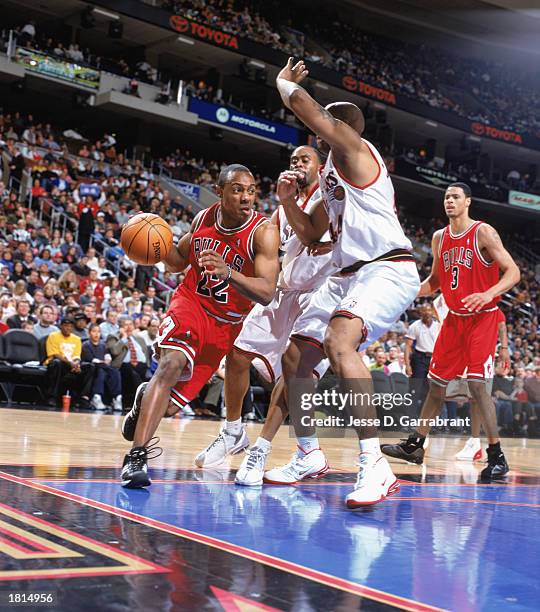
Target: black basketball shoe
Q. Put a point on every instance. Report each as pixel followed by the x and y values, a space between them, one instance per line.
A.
pixel 135 466
pixel 129 424
pixel 410 449
pixel 497 466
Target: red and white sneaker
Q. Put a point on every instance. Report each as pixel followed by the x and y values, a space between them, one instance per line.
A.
pixel 374 482
pixel 302 465
pixel 472 451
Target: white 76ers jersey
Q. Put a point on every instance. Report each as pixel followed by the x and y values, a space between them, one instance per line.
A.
pixel 299 270
pixel 363 220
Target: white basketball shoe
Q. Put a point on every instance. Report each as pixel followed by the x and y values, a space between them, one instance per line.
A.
pixel 302 465
pixel 251 472
pixel 225 444
pixel 374 482
pixel 472 451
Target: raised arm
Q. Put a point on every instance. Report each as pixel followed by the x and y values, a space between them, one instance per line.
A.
pixel 333 131
pixel 492 249
pixel 262 286
pixel 178 257
pixel 351 154
pixel 308 227
pixel 432 282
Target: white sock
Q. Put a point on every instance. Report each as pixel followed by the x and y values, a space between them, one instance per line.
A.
pixel 308 443
pixel 263 445
pixel 233 427
pixel 371 445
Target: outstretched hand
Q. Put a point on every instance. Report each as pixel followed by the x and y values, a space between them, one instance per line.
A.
pixel 295 73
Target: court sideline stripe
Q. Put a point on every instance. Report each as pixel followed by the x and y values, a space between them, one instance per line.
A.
pixel 293 568
pixel 403 483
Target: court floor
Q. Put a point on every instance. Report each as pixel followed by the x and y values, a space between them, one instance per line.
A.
pixel 196 541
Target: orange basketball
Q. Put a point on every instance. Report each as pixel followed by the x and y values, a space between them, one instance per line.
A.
pixel 146 239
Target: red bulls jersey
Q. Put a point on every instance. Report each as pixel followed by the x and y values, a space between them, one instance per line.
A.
pixel 462 268
pixel 216 296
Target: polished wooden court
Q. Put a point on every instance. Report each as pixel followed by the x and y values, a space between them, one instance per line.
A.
pixel 195 540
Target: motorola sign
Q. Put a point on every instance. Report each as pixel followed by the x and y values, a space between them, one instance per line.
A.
pixel 222 115
pixel 232 119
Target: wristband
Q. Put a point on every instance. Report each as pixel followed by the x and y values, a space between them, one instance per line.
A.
pixel 286 89
pixel 503 347
pixel 230 273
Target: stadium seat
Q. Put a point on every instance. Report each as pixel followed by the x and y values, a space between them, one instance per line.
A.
pixel 21 365
pixel 399 382
pixel 381 382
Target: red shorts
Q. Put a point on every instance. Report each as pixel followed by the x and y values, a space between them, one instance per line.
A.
pixel 203 339
pixel 465 342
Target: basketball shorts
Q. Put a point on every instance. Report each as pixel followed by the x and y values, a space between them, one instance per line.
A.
pixel 379 293
pixel 203 339
pixel 458 389
pixel 267 329
pixel 465 343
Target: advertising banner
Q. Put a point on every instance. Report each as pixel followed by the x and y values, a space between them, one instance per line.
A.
pixel 57 68
pixel 192 191
pixel 526 200
pixel 227 117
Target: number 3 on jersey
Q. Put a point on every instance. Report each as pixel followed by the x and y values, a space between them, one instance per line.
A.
pixel 218 291
pixel 455 277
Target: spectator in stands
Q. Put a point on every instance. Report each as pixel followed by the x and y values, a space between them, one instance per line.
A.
pixel 395 361
pixel 149 334
pixel 63 361
pixel 532 388
pixel 379 362
pixel 81 325
pixel 107 379
pixel 45 325
pixel 22 315
pixel 132 88
pixel 68 244
pixel 110 326
pixel 3 327
pixel 130 355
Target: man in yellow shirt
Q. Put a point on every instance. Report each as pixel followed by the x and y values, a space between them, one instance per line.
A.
pixel 65 370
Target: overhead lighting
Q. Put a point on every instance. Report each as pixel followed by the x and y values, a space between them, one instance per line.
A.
pixel 104 13
pixel 321 85
pixel 379 106
pixel 256 64
pixel 187 41
pixel 432 124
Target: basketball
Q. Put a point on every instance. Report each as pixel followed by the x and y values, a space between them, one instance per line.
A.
pixel 146 239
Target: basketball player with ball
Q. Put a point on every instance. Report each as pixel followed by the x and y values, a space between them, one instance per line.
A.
pixel 266 333
pixel 232 254
pixel 374 281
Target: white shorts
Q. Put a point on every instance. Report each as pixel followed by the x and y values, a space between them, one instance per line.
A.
pixel 459 388
pixel 267 329
pixel 379 293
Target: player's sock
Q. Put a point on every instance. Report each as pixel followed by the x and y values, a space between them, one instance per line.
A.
pixel 370 445
pixel 494 449
pixel 308 443
pixel 234 427
pixel 263 444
